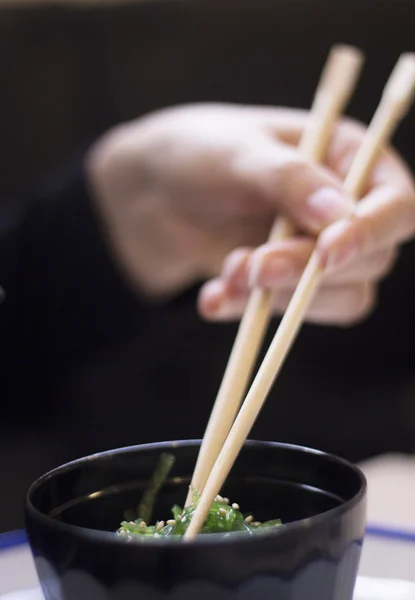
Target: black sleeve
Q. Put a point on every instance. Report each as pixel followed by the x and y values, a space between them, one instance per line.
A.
pixel 62 287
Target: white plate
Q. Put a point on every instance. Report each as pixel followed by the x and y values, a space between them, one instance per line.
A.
pixel 366 589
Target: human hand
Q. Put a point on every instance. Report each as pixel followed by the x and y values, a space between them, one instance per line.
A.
pixel 182 188
pixel 357 251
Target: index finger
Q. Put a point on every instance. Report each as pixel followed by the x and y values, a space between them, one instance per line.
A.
pixel 385 216
pixel 288 126
pixel 390 168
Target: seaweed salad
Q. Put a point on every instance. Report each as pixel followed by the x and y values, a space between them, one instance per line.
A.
pixel 224 517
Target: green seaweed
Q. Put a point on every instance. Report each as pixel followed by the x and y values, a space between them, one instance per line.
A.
pixel 222 517
pixel 163 468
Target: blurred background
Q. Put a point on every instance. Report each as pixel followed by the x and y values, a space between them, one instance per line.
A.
pixel 69 71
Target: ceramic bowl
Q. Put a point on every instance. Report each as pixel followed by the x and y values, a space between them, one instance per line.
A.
pixel 73 512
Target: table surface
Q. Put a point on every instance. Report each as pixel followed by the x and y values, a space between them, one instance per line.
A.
pixel 388 552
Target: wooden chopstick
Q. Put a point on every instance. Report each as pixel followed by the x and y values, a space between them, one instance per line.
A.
pixel 396 100
pixel 335 88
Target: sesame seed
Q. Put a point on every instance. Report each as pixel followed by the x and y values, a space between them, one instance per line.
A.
pixel 219 498
pixel 123 533
pixel 226 500
pixel 235 506
pixel 160 525
pixel 223 511
pixel 256 523
pixel 143 524
pixel 249 519
pixel 171 522
pixel 179 517
pixel 132 523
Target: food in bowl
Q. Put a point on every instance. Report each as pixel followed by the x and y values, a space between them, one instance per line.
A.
pixel 224 517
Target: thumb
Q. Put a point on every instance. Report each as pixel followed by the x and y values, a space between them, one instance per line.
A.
pixel 310 196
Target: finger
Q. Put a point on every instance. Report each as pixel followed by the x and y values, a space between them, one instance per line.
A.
pixel 309 196
pixel 273 265
pixel 285 124
pixel 212 297
pixel 340 305
pixel 236 269
pixel 271 268
pixel 389 170
pixel 281 265
pixel 386 217
pixel 288 125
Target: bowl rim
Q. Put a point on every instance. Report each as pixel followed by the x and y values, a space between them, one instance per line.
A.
pixel 109 537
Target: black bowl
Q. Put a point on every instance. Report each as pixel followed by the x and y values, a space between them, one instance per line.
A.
pixel 321 499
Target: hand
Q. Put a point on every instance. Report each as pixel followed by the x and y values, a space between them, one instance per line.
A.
pixel 182 188
pixel 357 251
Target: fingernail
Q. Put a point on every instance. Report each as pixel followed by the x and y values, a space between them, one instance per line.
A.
pixel 328 205
pixel 211 296
pixel 225 310
pixel 269 270
pixel 339 246
pixel 225 313
pixel 233 266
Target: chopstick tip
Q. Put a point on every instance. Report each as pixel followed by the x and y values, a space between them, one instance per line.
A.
pixel 347 51
pixel 341 72
pixel 400 89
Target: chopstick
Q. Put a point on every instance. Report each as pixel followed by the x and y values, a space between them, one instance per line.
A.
pixel 395 102
pixel 335 88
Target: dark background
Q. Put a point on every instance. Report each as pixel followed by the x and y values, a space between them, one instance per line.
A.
pixel 66 75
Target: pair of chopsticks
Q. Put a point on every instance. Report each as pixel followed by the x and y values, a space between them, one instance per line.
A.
pixel 333 93
pixel 226 431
